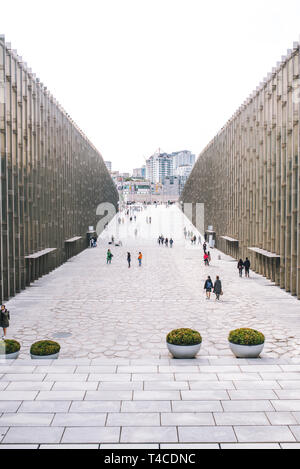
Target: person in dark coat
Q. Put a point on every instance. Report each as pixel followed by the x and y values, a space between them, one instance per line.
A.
pixel 128 259
pixel 218 288
pixel 247 267
pixel 240 266
pixel 4 320
pixel 208 287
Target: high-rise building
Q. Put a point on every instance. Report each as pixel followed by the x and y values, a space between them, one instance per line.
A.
pixel 108 165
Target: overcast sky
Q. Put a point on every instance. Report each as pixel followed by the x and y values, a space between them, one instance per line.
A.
pixel 141 74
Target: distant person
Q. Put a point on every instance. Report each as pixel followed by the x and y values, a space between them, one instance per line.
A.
pixel 135 232
pixel 206 259
pixel 247 267
pixel 240 266
pixel 199 240
pixel 109 257
pixel 218 288
pixel 128 259
pixel 208 287
pixel 209 256
pixel 204 247
pixel 171 242
pixel 140 257
pixel 4 320
pixel 167 242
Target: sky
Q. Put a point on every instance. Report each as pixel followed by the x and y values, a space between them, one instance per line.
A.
pixel 138 75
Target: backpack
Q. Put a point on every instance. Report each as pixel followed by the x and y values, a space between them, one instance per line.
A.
pixel 208 284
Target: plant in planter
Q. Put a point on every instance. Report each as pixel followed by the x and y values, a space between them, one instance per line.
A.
pixel 9 349
pixel 246 343
pixel 45 349
pixel 184 343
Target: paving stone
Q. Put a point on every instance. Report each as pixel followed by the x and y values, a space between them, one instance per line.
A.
pixel 110 377
pixel 290 445
pixel 9 406
pixel 148 435
pixel 256 394
pixel 129 446
pixel 18 395
pixel 256 385
pixel 156 395
pixel 75 386
pixel 281 418
pixel 96 369
pixel 208 395
pixel 133 419
pixel 248 406
pixel 108 395
pixel 296 432
pixel 211 385
pixel 206 434
pixel 165 385
pixel 66 377
pixel 12 446
pixel 257 434
pixel 91 435
pixel 241 418
pixel 286 405
pixel 64 446
pixel 60 396
pixel 23 377
pixel 33 435
pixel 154 377
pixel 21 419
pixel 73 419
pixel 288 394
pixel 187 418
pixel 196 406
pixel 123 386
pixel 250 446
pixel 95 406
pixel 146 406
pixel 29 386
pixel 45 406
pixel 190 447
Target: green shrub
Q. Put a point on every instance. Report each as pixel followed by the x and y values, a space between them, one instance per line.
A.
pixel 246 337
pixel 184 337
pixel 44 348
pixel 9 346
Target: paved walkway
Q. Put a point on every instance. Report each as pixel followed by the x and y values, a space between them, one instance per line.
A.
pixel 113 311
pixel 115 385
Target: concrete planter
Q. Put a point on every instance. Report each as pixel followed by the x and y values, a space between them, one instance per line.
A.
pixel 44 357
pixel 246 351
pixel 10 356
pixel 183 351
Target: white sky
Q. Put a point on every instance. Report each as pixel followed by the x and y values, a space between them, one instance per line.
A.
pixel 136 75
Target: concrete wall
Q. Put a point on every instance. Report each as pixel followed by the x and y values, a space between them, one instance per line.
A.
pixel 248 177
pixel 51 178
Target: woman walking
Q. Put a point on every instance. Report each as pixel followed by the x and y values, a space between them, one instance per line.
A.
pixel 218 288
pixel 4 320
pixel 140 259
pixel 208 287
pixel 206 259
pixel 128 259
pixel 240 266
pixel 109 257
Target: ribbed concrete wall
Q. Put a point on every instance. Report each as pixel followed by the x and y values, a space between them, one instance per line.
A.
pixel 248 178
pixel 51 178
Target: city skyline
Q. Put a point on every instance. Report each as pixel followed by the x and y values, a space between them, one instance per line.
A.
pixel 165 89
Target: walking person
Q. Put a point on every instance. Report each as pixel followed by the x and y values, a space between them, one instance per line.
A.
pixel 209 256
pixel 109 257
pixel 206 259
pixel 140 257
pixel 208 287
pixel 204 247
pixel 171 242
pixel 166 242
pixel 218 288
pixel 247 267
pixel 4 320
pixel 240 266
pixel 128 259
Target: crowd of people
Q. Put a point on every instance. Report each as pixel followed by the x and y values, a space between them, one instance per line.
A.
pixel 165 241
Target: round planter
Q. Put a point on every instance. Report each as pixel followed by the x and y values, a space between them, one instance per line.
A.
pixel 10 356
pixel 246 351
pixel 44 357
pixel 183 351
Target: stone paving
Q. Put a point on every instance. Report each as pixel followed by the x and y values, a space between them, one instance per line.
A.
pixel 115 385
pixel 113 311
